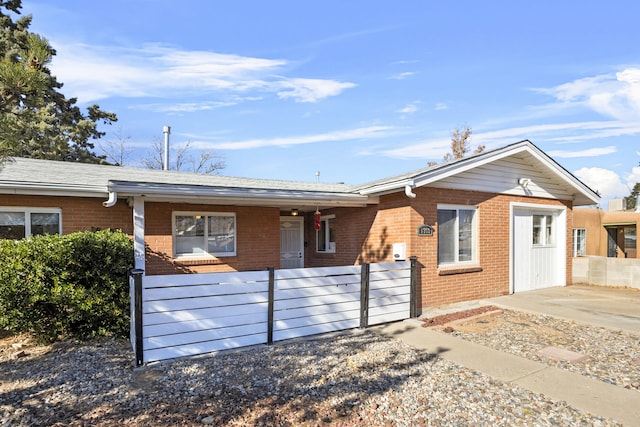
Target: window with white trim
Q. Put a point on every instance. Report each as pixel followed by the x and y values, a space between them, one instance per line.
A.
pixel 457 235
pixel 543 230
pixel 579 242
pixel 204 234
pixel 326 236
pixel 18 223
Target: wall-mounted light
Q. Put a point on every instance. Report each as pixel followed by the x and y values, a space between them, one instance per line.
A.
pixel 524 182
pixel 295 212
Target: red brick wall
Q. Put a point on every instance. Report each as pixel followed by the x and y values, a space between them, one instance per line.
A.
pixel 363 235
pixel 367 235
pixel 78 213
pixel 257 234
pixel 258 230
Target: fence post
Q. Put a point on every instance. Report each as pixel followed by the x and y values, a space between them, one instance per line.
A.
pixel 413 282
pixel 364 295
pixel 135 290
pixel 272 287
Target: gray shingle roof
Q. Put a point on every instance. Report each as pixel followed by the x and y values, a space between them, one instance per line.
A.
pixel 91 177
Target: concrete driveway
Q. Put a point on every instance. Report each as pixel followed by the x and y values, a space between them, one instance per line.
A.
pixel 597 305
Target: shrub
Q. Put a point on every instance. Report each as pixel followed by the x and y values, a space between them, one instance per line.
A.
pixel 66 286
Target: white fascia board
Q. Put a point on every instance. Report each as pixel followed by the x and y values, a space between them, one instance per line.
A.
pixel 39 189
pixel 388 187
pixel 446 171
pixel 567 177
pixel 456 168
pixel 254 197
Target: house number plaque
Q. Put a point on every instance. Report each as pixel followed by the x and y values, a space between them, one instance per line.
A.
pixel 425 230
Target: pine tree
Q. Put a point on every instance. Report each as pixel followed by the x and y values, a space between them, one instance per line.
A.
pixel 36 119
pixel 630 200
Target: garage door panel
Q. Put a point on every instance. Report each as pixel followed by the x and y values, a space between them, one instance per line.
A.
pixel 536 266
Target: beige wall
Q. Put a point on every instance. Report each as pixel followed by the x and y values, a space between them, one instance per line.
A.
pixel 593 220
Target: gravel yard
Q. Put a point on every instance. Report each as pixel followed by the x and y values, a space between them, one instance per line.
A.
pixel 613 356
pixel 357 378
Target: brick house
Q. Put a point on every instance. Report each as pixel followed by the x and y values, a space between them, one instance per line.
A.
pixel 486 225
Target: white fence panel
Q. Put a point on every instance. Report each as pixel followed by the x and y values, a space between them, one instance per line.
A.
pixel 203 347
pixel 199 313
pixel 316 300
pixel 320 328
pixel 190 314
pixel 389 292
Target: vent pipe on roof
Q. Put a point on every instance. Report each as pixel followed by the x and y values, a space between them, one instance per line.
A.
pixel 637 210
pixel 166 130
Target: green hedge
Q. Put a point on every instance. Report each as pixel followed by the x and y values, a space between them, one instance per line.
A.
pixel 72 286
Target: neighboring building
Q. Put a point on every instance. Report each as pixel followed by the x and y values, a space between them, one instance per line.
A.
pixel 609 233
pixel 486 225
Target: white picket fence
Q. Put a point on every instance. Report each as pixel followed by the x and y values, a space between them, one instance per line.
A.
pixel 189 314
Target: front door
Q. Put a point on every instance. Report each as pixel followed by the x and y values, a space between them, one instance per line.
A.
pixel 291 242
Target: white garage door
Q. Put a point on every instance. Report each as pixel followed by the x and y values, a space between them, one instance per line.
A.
pixel 538 249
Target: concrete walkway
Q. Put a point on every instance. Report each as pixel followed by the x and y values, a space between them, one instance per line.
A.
pixel 617 308
pixel 584 393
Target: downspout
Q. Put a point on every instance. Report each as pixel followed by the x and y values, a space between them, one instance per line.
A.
pixel 408 190
pixel 113 199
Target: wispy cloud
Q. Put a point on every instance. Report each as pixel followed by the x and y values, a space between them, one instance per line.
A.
pixel 590 152
pixel 554 132
pixel 310 90
pixel 184 107
pixel 410 108
pixel 615 95
pixel 441 106
pixel 369 132
pixel 96 72
pixel 402 76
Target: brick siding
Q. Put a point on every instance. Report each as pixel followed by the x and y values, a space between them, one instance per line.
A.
pixel 363 235
pixel 367 235
pixel 78 213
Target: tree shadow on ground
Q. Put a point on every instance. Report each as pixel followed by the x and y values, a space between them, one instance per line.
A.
pixel 304 382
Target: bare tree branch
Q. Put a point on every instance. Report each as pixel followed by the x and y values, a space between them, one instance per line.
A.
pixel 460 141
pixel 116 149
pixel 207 162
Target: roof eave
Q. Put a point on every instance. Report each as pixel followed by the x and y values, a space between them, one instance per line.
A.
pixel 33 189
pixel 237 196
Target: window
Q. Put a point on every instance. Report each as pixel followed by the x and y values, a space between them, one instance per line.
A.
pixel 543 227
pixel 630 238
pixel 326 236
pixel 579 242
pixel 18 223
pixel 457 235
pixel 204 234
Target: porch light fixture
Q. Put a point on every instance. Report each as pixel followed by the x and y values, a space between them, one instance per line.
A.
pixel 524 182
pixel 295 212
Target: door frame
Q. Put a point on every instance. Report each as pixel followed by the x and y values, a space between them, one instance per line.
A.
pixel 300 221
pixel 561 238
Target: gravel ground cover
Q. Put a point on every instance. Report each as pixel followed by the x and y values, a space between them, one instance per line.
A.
pixel 614 356
pixel 353 379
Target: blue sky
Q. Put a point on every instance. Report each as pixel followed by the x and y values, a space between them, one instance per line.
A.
pixel 358 90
